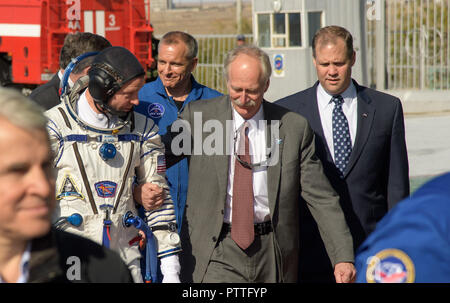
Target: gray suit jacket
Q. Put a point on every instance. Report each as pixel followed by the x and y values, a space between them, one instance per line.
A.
pixel 298 172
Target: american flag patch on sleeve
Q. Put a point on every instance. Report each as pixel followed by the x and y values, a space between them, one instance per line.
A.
pixel 161 166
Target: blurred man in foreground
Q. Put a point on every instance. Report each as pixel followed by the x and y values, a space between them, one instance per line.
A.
pixel 30 251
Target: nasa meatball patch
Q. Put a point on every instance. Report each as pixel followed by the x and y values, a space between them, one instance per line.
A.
pixel 390 266
pixel 155 110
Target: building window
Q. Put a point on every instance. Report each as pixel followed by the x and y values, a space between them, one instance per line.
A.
pixel 279 30
pixel 314 24
pixel 263 30
pixel 276 30
pixel 295 37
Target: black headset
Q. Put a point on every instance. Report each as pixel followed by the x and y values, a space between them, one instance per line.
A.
pixel 104 82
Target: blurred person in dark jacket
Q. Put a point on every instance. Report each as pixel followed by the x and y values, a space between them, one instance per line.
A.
pixel 30 250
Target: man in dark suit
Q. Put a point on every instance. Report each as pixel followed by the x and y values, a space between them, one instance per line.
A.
pixel 47 95
pixel 369 168
pixel 251 234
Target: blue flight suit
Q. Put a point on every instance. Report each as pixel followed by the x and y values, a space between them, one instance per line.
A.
pixel 156 104
pixel 412 242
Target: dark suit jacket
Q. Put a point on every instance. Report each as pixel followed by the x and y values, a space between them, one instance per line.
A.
pixel 47 95
pixel 297 172
pixel 52 260
pixel 377 176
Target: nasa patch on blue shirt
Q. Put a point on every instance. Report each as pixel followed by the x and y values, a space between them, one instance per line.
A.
pixel 390 266
pixel 155 110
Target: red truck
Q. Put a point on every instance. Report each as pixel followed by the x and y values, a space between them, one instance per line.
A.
pixel 32 33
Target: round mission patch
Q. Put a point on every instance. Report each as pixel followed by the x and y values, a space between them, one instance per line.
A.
pixel 155 110
pixel 390 266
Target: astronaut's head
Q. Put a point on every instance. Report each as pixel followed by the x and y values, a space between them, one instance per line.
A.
pixel 115 78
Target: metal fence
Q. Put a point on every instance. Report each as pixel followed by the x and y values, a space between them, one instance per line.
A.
pixel 417 52
pixel 212 51
pixel 199 3
pixel 417 45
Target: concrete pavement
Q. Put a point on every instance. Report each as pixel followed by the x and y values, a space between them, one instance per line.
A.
pixel 428 143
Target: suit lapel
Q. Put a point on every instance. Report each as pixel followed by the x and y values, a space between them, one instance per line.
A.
pixel 312 109
pixel 366 114
pixel 223 113
pixel 273 171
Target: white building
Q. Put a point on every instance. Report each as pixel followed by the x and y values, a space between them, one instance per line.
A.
pixel 285 28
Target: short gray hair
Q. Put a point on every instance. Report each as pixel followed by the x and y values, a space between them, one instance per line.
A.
pixel 252 51
pixel 175 37
pixel 21 111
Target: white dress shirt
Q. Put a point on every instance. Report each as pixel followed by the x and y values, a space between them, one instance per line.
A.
pixel 258 153
pixel 349 107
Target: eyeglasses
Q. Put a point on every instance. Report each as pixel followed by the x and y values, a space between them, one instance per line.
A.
pixel 262 164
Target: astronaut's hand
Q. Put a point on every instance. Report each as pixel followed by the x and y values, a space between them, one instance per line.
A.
pixel 149 195
pixel 142 241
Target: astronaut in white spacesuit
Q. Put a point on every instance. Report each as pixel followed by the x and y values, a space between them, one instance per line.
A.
pixel 102 148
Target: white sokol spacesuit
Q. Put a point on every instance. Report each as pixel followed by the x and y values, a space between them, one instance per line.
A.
pixel 96 170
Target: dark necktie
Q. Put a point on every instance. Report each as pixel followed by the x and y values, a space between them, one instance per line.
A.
pixel 242 229
pixel 342 142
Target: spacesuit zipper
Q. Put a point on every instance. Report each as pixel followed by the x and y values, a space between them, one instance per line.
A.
pixel 130 158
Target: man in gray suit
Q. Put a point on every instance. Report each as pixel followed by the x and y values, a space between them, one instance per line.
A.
pixel 221 245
